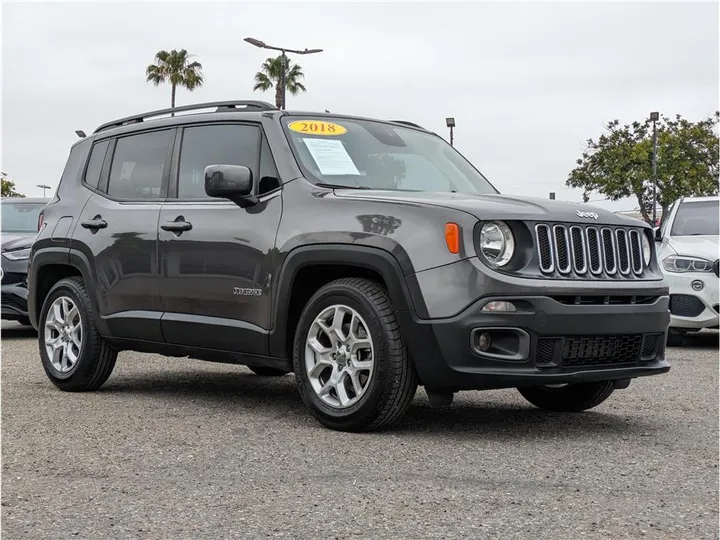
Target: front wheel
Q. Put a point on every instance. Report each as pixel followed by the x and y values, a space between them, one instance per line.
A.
pixel 351 365
pixel 568 397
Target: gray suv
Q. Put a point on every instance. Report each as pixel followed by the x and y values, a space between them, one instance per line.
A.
pixel 368 257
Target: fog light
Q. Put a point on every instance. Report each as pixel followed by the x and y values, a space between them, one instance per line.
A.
pixel 499 306
pixel 484 341
pixel 697 285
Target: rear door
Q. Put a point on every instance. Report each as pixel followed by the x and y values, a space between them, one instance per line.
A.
pixel 117 230
pixel 215 285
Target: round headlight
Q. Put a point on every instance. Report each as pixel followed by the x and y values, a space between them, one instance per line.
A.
pixel 497 243
pixel 647 250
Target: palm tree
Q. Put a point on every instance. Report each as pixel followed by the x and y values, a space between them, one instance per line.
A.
pixel 270 76
pixel 175 67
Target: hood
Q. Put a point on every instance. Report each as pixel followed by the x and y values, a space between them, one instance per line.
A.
pixel 506 207
pixel 706 247
pixel 15 241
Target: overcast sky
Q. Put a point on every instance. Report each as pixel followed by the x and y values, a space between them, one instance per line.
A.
pixel 526 83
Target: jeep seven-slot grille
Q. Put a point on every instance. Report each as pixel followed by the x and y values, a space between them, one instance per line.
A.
pixel 583 250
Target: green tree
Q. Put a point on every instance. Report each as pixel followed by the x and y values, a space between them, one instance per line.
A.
pixel 270 74
pixel 619 163
pixel 176 68
pixel 8 187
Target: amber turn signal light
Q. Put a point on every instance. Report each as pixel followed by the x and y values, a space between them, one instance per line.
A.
pixel 452 237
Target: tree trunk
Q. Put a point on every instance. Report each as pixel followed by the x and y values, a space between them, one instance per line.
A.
pixel 278 95
pixel 647 217
pixel 172 99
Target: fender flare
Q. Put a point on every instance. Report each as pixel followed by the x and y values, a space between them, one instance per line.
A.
pixel 400 289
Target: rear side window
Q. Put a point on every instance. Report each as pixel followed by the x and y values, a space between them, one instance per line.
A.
pixel 138 165
pixel 214 145
pixel 97 156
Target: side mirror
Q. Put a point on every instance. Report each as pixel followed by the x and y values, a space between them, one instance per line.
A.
pixel 228 181
pixel 658 234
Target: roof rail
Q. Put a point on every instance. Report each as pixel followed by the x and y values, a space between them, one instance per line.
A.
pixel 220 106
pixel 407 123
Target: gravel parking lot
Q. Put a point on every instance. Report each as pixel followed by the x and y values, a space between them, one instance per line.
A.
pixel 173 448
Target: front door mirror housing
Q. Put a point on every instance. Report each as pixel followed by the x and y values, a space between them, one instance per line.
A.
pixel 234 182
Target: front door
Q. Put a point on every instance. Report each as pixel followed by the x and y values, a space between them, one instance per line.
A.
pixel 216 257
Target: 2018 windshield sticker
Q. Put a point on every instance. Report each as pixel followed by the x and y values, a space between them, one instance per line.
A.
pixel 317 127
pixel 331 157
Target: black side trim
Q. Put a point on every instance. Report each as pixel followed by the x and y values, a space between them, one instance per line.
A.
pixel 209 355
pixel 371 258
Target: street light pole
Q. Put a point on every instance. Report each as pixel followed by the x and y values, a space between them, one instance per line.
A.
pixel 283 61
pixel 450 122
pixel 654 116
pixel 43 187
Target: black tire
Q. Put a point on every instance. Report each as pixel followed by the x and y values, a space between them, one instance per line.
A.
pixel 393 383
pixel 675 337
pixel 569 398
pixel 265 371
pixel 96 359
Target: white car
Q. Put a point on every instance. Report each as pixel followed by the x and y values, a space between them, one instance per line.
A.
pixel 687 245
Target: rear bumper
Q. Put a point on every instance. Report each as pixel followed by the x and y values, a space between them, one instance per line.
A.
pixel 618 344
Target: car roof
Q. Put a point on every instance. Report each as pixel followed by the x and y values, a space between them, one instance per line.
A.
pixel 700 199
pixel 224 111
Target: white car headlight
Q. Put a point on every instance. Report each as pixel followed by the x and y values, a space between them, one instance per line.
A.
pixel 646 249
pixel 19 255
pixel 680 264
pixel 497 243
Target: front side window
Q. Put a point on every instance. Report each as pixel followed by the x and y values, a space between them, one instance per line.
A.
pixel 20 217
pixel 696 219
pixel 376 155
pixel 138 165
pixel 214 145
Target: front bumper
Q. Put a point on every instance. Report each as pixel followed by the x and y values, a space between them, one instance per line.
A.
pixel 14 302
pixel 14 291
pixel 691 309
pixel 558 343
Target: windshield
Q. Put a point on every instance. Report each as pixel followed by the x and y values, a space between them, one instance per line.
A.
pixel 20 216
pixel 374 155
pixel 696 218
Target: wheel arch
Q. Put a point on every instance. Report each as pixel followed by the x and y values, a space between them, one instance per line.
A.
pixel 337 261
pixel 49 266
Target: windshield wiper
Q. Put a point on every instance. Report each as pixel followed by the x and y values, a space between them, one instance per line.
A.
pixel 338 186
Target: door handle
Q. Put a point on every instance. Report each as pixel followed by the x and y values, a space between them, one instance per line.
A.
pixel 178 226
pixel 94 224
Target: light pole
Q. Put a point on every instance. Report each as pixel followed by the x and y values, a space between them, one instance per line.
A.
pixel 654 116
pixel 450 122
pixel 283 61
pixel 43 187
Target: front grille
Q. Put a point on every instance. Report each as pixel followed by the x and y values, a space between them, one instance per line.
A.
pixel 582 351
pixel 686 305
pixel 580 250
pixel 587 300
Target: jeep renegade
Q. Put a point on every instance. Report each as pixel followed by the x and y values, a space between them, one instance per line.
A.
pixel 368 257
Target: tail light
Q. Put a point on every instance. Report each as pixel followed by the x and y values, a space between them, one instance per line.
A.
pixel 41 219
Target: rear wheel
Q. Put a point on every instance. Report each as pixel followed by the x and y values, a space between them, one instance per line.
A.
pixel 74 355
pixel 568 397
pixel 265 371
pixel 351 365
